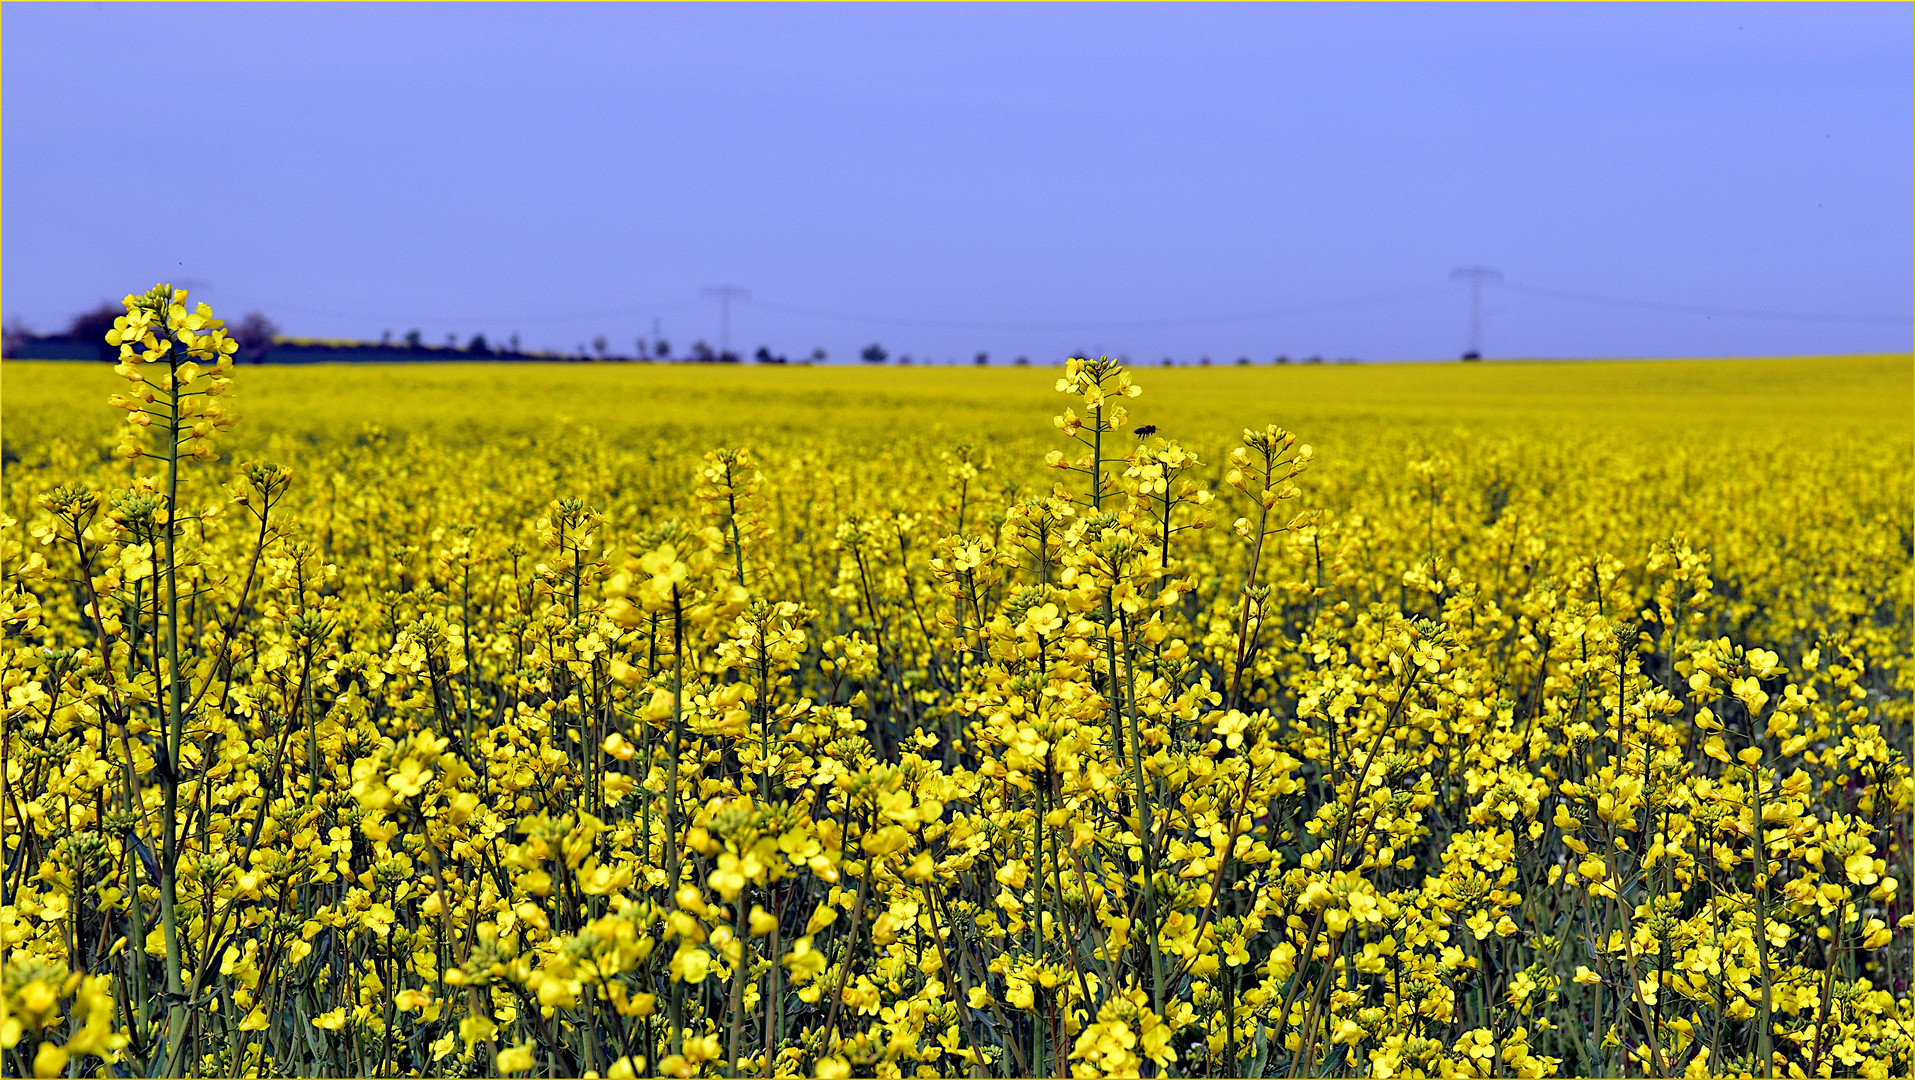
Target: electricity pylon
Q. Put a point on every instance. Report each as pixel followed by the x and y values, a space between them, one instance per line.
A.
pixel 724 293
pixel 1476 276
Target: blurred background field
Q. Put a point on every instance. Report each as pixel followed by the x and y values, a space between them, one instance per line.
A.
pixel 1798 474
pixel 1786 399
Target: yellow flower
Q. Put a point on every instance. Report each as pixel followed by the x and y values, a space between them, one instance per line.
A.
pixel 410 779
pixel 1876 934
pixel 514 1059
pixel 690 964
pixel 49 1060
pixel 762 921
pixel 476 1029
pixel 1860 868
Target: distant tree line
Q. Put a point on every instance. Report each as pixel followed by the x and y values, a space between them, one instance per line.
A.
pixel 255 333
pixel 260 341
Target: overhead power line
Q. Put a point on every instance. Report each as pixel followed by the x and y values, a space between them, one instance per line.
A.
pixel 487 318
pixel 1704 309
pixel 726 294
pixel 1372 300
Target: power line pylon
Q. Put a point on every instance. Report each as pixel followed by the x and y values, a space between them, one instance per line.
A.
pixel 725 293
pixel 1476 276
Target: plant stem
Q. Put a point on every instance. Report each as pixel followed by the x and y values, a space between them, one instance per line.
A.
pixel 172 737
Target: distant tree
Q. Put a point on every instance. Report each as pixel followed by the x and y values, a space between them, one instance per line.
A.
pixel 905 359
pixel 255 334
pixel 1203 361
pixel 1314 360
pixel 1243 361
pixel 764 356
pixel 1022 361
pixel 1166 362
pixel 93 325
pixel 414 340
pixel 1282 359
pixel 452 342
pixel 478 346
pixel 385 339
pixel 16 335
pixel 728 357
pixel 662 349
pixel 513 342
pixel 600 345
pixel 818 355
pixel 983 359
pixel 873 354
pixel 701 353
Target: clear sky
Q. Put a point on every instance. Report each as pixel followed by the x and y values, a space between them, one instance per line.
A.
pixel 1153 181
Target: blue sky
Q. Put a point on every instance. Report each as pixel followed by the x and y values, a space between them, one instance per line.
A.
pixel 1154 181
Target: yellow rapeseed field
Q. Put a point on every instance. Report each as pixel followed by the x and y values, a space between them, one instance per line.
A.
pixel 1479 720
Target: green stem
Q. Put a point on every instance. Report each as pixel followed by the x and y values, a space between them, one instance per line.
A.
pixel 677 1008
pixel 1759 884
pixel 1148 839
pixel 740 971
pixel 172 738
